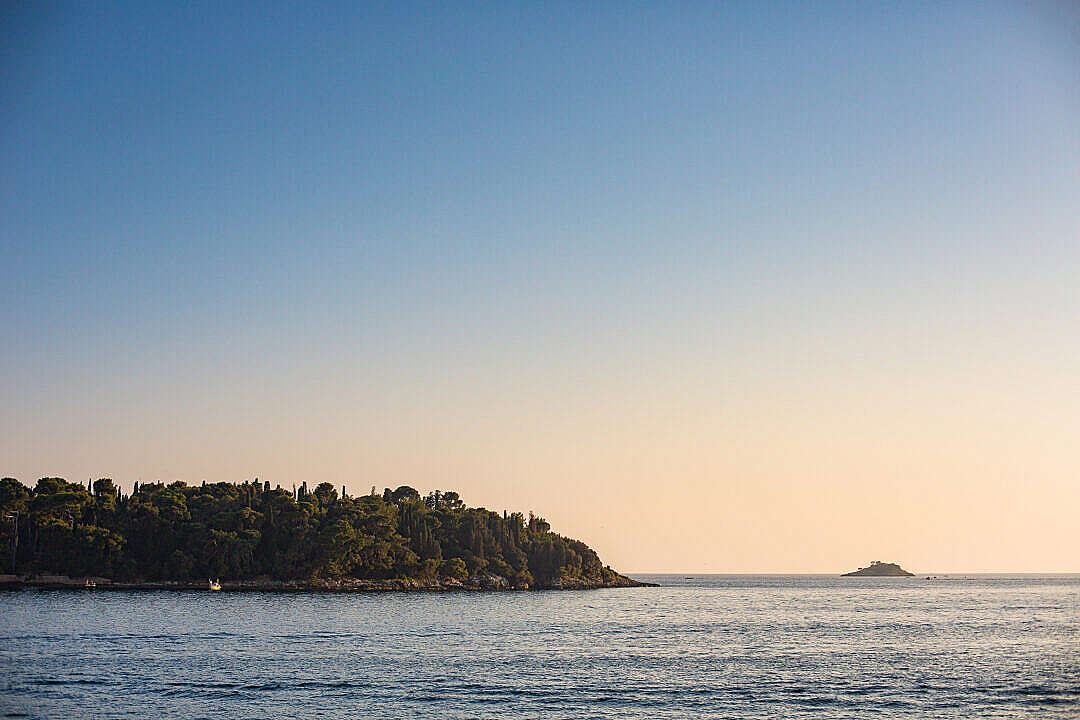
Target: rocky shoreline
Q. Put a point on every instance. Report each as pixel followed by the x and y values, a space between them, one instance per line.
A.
pixel 478 583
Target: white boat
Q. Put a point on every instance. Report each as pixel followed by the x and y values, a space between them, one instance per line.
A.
pixel 214 584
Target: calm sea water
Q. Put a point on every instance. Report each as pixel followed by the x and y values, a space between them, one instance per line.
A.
pixel 717 646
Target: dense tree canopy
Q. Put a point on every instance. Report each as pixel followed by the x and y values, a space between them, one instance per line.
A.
pixel 248 530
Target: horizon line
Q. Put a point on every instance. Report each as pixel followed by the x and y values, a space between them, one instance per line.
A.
pixel 806 572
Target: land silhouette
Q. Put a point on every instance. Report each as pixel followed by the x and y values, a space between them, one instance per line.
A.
pixel 253 536
pixel 879 569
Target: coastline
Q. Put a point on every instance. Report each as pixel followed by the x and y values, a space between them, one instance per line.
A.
pixel 489 583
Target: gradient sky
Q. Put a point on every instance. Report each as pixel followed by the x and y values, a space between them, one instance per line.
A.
pixel 711 286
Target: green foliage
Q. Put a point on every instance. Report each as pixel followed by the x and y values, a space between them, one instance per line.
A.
pixel 14 496
pixel 454 568
pixel 247 530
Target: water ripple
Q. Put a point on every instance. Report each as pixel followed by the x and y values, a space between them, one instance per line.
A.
pixel 720 646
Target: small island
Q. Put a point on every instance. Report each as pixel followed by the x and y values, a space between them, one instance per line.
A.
pixel 253 536
pixel 880 569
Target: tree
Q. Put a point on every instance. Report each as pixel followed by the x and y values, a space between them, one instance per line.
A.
pixel 246 530
pixel 326 494
pixel 404 493
pixel 454 568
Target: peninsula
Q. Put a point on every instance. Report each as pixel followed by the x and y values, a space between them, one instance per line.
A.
pixel 254 537
pixel 879 569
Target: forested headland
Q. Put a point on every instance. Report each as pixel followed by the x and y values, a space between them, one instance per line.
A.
pixel 250 533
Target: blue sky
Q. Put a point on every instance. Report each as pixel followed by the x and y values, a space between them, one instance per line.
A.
pixel 344 227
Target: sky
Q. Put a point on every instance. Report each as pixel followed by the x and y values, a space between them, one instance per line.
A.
pixel 728 287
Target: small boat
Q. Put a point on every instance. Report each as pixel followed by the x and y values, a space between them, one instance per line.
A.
pixel 90 583
pixel 214 584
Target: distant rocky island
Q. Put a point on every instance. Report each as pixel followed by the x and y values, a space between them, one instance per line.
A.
pixel 255 537
pixel 879 569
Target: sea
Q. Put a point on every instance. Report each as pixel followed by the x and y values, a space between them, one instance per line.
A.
pixel 701 646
